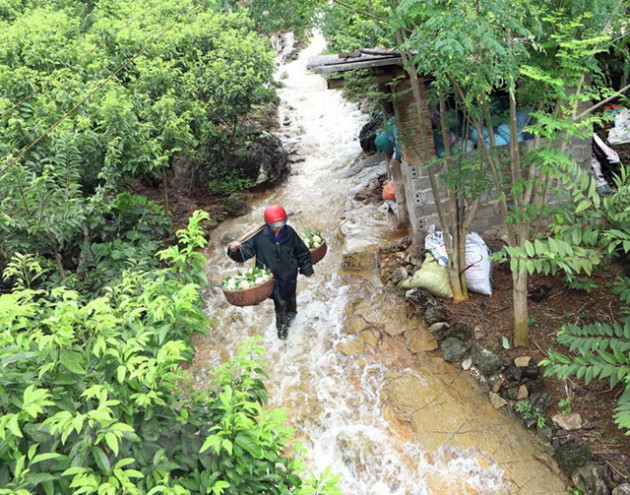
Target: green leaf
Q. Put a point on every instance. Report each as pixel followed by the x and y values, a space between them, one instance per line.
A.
pixel 112 442
pixel 72 361
pixel 102 461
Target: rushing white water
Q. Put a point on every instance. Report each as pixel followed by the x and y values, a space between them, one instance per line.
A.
pixel 334 401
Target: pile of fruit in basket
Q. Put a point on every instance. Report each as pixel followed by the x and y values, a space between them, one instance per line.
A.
pixel 246 280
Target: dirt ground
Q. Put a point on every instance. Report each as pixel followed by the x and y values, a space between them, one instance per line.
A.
pixel 560 305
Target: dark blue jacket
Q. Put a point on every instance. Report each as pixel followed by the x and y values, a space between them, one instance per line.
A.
pixel 284 258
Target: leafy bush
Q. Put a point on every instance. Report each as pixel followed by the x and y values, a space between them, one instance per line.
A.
pixel 95 400
pixel 602 351
pixel 229 182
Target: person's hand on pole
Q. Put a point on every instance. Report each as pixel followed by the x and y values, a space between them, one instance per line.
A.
pixel 234 246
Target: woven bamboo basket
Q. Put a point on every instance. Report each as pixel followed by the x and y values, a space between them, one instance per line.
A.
pixel 318 253
pixel 251 296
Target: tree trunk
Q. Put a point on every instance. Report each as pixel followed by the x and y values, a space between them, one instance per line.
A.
pixel 521 320
pixel 401 201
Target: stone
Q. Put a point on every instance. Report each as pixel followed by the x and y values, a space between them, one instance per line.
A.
pixel 370 338
pixel 236 205
pixel 541 401
pixel 513 373
pixel 355 324
pixel 439 329
pixel 569 422
pixel 435 315
pixel 351 347
pixel 421 298
pixel 522 361
pixel 497 386
pixel 420 340
pixel 486 362
pixel 362 258
pixel 522 393
pixel 398 275
pixel 453 349
pixel 459 331
pixel 466 363
pixel 623 489
pixel 592 479
pixel 496 400
pixel 545 434
pixel 571 456
pixel 511 392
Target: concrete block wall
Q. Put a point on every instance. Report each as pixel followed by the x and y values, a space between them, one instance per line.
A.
pixel 418 196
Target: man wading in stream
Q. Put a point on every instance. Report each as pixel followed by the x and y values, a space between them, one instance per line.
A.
pixel 279 248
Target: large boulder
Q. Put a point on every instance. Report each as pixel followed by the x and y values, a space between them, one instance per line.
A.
pixel 571 456
pixel 261 158
pixel 592 479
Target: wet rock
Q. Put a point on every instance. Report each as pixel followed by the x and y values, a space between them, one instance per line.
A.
pixel 355 324
pixel 569 422
pixel 545 434
pixel 236 205
pixel 404 393
pixel 487 362
pixel 459 331
pixel 395 246
pixel 510 393
pixel 355 450
pixel 453 349
pixel 398 275
pixel 393 328
pixel 623 489
pixel 364 258
pixel 496 386
pixel 351 347
pixel 496 400
pixel 217 213
pixel 513 373
pixel 419 340
pixel 421 298
pixel 571 456
pixel 592 479
pixel 522 361
pixel 370 338
pixel 439 329
pixel 435 315
pixel 541 401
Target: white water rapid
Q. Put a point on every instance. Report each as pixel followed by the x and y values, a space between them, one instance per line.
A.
pixel 443 438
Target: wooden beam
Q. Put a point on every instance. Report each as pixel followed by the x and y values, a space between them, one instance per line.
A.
pixel 339 82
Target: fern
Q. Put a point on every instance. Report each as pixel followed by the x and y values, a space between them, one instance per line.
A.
pixel 601 351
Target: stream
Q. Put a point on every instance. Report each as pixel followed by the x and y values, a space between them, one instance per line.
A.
pixel 388 420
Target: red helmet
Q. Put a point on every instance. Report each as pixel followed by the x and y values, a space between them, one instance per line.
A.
pixel 275 216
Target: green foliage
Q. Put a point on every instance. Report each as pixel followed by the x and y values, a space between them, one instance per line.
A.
pixel 599 351
pixel 95 400
pixel 228 182
pixel 24 269
pixel 530 413
pixel 188 91
pixel 564 406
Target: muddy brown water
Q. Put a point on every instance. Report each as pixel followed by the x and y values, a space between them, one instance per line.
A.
pixel 388 420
